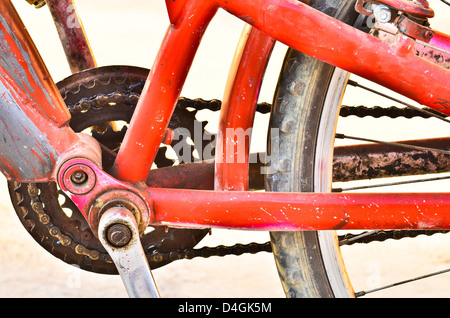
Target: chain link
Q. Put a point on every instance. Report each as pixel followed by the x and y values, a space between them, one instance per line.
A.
pixel 214 105
pixel 106 100
pixel 205 252
pixel 381 236
pixel 391 112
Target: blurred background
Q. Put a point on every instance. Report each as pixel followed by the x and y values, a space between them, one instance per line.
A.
pixel 130 34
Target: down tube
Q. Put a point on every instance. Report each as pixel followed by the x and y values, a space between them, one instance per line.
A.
pixel 33 117
pixel 161 92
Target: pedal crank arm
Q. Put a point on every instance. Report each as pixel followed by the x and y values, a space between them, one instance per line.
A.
pixel 118 233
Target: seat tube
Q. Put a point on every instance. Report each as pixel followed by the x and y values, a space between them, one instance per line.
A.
pixel 161 92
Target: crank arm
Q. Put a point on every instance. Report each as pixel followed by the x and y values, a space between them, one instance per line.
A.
pixel 117 214
pixel 119 235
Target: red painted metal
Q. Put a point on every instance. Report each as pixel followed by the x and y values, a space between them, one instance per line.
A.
pixel 268 211
pixel 238 110
pixel 440 40
pixel 34 118
pixel 175 9
pixel 371 161
pixel 161 92
pixel 300 211
pixel 32 108
pixel 413 29
pixel 433 54
pixel 99 191
pixel 196 175
pixel 314 33
pixel 294 24
pixel 351 162
pixel 19 54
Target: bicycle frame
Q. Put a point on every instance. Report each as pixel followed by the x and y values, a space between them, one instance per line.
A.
pixel 36 119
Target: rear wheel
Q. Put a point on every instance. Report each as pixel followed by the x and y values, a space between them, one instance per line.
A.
pixel 305 112
pixel 298 105
pixel 299 255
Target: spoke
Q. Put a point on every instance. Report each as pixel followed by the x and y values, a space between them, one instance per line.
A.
pixel 363 293
pixel 356 84
pixel 366 235
pixel 343 136
pixel 389 184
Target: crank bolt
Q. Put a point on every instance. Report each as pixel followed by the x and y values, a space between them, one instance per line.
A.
pixel 79 177
pixel 118 235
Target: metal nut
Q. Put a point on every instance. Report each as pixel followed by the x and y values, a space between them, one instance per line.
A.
pixel 118 235
pixel 382 13
pixel 78 177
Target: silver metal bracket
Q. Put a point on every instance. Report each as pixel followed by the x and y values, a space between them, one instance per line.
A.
pixel 118 233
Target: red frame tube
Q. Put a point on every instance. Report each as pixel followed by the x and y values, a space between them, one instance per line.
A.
pixel 300 27
pixel 71 33
pixel 34 118
pixel 161 92
pixel 271 211
pixel 238 110
pixel 441 40
pixel 292 22
pixel 327 39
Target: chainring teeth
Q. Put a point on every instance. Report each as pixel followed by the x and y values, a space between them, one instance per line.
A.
pixel 112 97
pixel 68 236
pixel 45 230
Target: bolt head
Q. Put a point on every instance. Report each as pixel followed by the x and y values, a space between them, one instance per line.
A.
pixel 79 177
pixel 382 13
pixel 118 235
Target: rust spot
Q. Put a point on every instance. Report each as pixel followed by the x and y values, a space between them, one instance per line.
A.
pixel 343 222
pixel 247 19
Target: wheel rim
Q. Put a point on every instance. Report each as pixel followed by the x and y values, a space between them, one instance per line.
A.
pixel 329 245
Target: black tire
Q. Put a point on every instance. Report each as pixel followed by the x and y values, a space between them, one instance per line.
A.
pixel 297 110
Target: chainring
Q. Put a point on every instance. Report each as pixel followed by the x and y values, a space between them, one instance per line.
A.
pixel 96 99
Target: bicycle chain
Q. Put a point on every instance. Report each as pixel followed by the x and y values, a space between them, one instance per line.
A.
pixel 205 252
pixel 391 112
pixel 264 108
pixel 102 100
pixel 381 236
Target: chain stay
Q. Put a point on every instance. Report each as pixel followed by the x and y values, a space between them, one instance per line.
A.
pixel 104 100
pixel 214 105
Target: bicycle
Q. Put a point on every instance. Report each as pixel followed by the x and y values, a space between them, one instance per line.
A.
pixel 120 202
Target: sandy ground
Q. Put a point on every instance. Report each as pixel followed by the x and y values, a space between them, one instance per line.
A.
pixel 130 34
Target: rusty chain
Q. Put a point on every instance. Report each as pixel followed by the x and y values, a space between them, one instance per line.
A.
pixel 105 100
pixel 264 108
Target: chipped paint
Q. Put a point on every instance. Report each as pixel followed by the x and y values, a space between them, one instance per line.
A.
pixel 25 151
pixel 10 63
